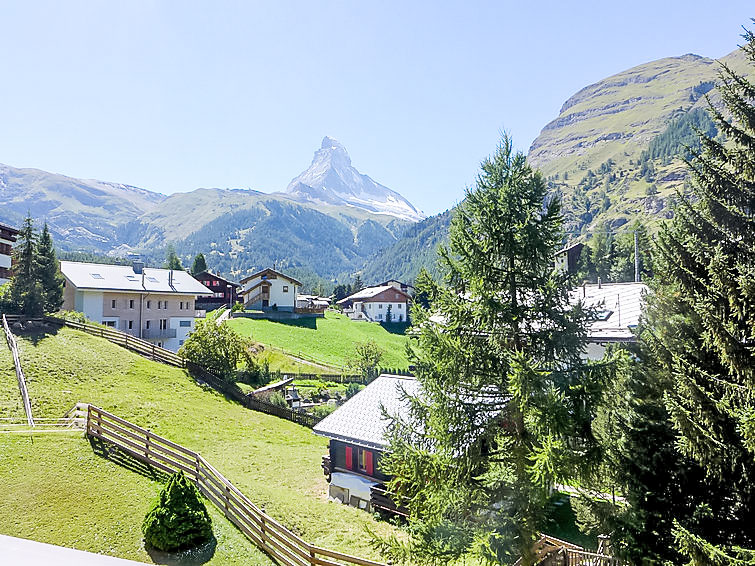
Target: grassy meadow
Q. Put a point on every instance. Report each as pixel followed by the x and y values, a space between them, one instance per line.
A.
pixel 11 406
pixel 276 463
pixel 329 341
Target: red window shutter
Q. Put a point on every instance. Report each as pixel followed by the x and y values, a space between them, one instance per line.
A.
pixel 368 462
pixel 349 459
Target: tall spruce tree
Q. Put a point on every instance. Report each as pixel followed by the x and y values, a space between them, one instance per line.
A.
pixel 199 264
pixel 26 292
pixel 703 321
pixel 48 272
pixel 172 260
pixel 505 396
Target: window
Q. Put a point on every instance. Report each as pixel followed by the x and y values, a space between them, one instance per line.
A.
pixel 185 323
pixel 603 315
pixel 165 304
pixel 180 342
pixel 380 306
pixel 149 304
pixel 146 325
pixel 365 461
pixel 130 324
pixel 285 288
pixel 112 304
pixel 131 277
pixel 159 304
pixel 131 303
pixel 109 323
pixel 400 305
pixel 181 305
pixel 396 295
pixel 163 324
pixel 96 276
pixel 153 279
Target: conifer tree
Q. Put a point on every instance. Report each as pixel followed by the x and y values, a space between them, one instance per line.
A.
pixel 199 264
pixel 504 392
pixel 358 285
pixel 26 292
pixel 171 259
pixel 703 319
pixel 48 272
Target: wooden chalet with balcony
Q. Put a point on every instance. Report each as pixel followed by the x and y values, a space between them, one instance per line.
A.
pixel 224 292
pixel 270 290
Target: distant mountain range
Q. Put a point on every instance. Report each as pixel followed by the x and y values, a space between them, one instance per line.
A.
pixel 613 155
pixel 328 222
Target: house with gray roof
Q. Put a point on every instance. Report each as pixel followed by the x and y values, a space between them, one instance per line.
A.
pixel 153 304
pixel 380 303
pixel 357 434
pixel 618 307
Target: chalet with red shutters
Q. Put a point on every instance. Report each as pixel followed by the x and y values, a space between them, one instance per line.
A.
pixel 224 292
pixel 357 442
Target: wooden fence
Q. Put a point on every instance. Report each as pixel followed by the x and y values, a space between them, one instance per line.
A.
pixel 285 547
pixel 551 551
pixel 19 372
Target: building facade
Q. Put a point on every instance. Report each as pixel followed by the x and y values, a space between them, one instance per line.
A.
pixel 153 304
pixel 357 442
pixel 270 290
pixel 225 293
pixel 7 239
pixel 382 303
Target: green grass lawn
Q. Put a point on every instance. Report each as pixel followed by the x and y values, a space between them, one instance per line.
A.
pixel 328 340
pixel 11 406
pixel 276 463
pixel 59 492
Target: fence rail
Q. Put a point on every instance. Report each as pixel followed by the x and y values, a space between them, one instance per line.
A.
pixel 19 372
pixel 285 547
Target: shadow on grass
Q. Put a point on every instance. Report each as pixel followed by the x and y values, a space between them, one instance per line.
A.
pixel 125 460
pixel 395 327
pixel 562 523
pixel 309 322
pixel 33 333
pixel 190 557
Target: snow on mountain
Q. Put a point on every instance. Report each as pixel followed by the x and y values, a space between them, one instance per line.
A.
pixel 331 179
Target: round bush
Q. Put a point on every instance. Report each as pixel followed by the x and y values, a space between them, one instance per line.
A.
pixel 178 519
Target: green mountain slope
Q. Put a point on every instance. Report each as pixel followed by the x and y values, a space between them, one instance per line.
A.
pixel 615 151
pixel 613 155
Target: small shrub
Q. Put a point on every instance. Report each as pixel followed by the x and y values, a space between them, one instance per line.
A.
pixel 237 307
pixel 278 399
pixel 322 411
pixel 352 389
pixel 178 519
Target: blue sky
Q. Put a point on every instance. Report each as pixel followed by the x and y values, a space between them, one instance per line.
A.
pixel 171 96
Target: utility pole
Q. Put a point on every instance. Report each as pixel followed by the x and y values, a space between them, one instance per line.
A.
pixel 636 258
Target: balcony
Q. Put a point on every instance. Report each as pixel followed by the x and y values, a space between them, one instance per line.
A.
pixel 158 334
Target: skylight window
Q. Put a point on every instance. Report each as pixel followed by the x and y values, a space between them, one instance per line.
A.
pixel 153 279
pixel 96 276
pixel 603 315
pixel 131 277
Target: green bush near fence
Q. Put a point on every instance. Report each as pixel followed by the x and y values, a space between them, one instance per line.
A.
pixel 178 519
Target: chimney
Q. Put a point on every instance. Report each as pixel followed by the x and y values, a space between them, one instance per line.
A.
pixel 138 266
pixel 170 278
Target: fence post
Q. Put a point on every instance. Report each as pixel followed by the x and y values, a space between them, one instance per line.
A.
pixel 89 419
pixel 312 557
pixel 262 528
pixel 146 446
pixel 197 466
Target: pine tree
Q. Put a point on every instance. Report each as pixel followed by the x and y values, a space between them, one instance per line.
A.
pixel 26 292
pixel 358 285
pixel 504 396
pixel 171 259
pixel 703 317
pixel 199 264
pixel 48 272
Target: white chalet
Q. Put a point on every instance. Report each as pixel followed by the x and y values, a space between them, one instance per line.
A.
pixel 270 290
pixel 373 304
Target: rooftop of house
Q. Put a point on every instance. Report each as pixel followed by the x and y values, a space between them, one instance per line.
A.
pixel 619 308
pixel 268 272
pixel 123 278
pixel 370 292
pixel 360 420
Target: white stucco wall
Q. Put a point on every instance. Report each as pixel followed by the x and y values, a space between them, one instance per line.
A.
pixel 377 311
pixel 90 303
pixel 278 297
pixel 182 332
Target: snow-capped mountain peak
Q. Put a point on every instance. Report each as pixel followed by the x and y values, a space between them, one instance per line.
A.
pixel 331 179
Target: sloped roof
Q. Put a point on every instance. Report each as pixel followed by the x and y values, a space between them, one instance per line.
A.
pixel 269 270
pixel 620 305
pixel 370 292
pixel 360 419
pixel 216 276
pixel 123 278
